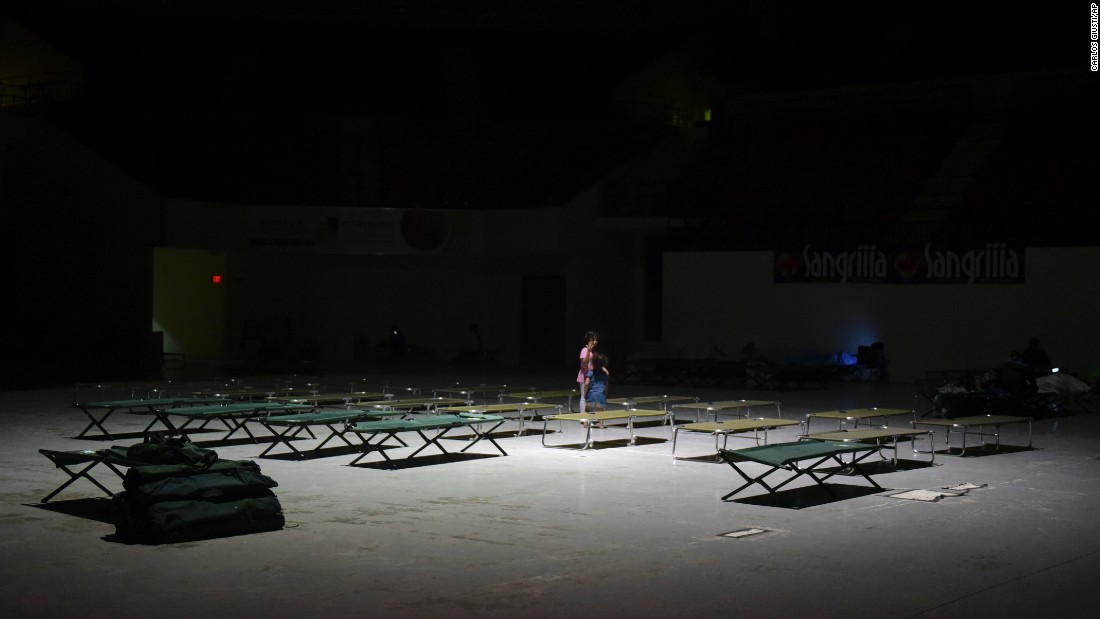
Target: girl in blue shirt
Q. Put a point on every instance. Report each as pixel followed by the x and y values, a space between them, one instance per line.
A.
pixel 595 394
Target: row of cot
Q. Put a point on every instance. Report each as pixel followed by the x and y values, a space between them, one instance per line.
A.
pixel 379 420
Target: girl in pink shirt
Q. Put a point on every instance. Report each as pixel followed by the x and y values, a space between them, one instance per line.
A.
pixel 590 340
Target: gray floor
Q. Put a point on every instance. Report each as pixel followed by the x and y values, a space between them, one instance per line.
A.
pixel 617 530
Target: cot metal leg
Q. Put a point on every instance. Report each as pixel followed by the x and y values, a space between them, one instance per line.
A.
pixel 545 421
pixel 853 466
pixel 163 420
pixel 75 476
pixel 798 472
pixel 282 438
pixel 725 443
pixel 586 424
pixel 368 447
pixel 96 423
pixel 430 441
pixel 232 425
pixel 882 456
pixel 83 473
pixel 486 435
pixel 334 433
pixel 931 446
pixel 749 481
pixel 522 427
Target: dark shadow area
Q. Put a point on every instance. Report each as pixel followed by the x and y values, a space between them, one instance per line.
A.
pixel 610 444
pixel 596 445
pixel 142 436
pixel 809 496
pixel 230 442
pixel 115 538
pixel 654 425
pixel 711 459
pixel 879 467
pixel 117 436
pixel 649 440
pixel 411 463
pixel 978 451
pixel 888 466
pixel 313 454
pixel 501 434
pixel 92 508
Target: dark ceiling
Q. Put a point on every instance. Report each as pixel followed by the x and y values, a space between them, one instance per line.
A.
pixel 548 47
pixel 235 73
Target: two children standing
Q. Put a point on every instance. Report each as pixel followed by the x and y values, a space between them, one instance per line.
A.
pixel 593 374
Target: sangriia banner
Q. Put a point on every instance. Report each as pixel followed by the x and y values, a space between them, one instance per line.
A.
pixel 988 263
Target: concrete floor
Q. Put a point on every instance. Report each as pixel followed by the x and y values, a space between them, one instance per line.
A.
pixel 550 532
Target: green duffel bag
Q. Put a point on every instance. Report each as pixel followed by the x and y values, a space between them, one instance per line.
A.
pixel 138 476
pixel 173 450
pixel 167 522
pixel 211 485
pixel 174 503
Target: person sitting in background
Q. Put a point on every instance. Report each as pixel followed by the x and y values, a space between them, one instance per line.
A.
pixel 1036 358
pixel 1014 377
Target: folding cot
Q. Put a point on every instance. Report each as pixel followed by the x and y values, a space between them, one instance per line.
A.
pixel 883 437
pixel 409 390
pixel 87 459
pixel 321 399
pixel 712 409
pixel 241 395
pixel 536 397
pixel 788 456
pixel 468 391
pixel 855 415
pixel 976 421
pixel 233 416
pixel 733 426
pixel 663 400
pixel 285 428
pixel 408 405
pixel 114 458
pixel 442 424
pixel 146 405
pixel 590 419
pixel 519 408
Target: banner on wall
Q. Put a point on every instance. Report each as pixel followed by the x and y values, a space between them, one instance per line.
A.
pixel 988 263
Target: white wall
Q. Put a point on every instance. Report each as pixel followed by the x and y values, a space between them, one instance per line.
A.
pixel 725 299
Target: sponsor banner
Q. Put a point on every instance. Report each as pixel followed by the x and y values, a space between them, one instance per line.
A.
pixel 988 263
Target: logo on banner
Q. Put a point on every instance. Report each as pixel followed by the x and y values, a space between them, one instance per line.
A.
pixel 991 263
